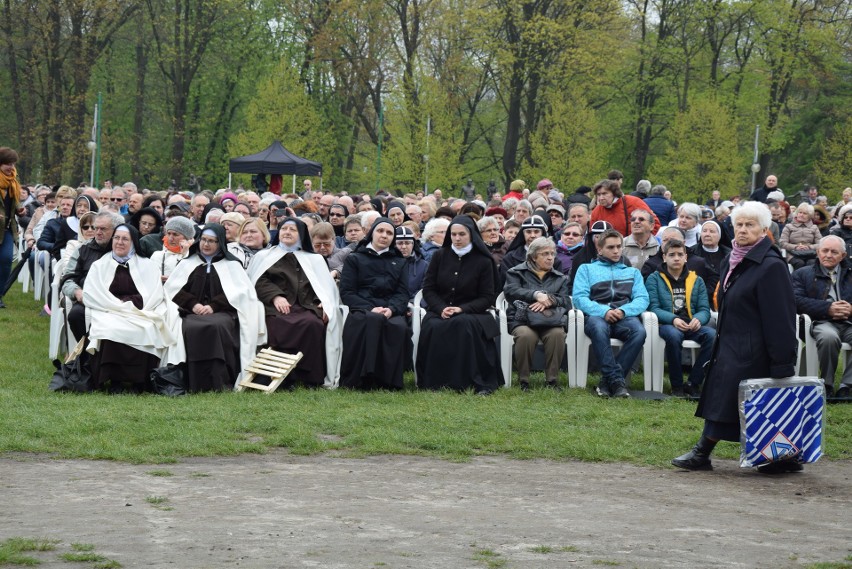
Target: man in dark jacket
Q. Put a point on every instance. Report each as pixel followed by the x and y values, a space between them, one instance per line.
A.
pixel 79 264
pixel 824 292
pixel 663 208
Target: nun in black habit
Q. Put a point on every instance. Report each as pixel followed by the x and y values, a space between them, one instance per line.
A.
pixel 220 313
pixel 374 285
pixel 457 347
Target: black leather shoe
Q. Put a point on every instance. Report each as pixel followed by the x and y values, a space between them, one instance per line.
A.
pixel 553 385
pixel 843 392
pixel 698 458
pixel 829 391
pixel 781 467
pixel 525 386
pixel 2 304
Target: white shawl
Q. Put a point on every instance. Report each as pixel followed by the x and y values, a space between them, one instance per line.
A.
pixel 151 329
pixel 320 279
pixel 241 295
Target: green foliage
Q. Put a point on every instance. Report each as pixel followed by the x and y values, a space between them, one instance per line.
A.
pixel 568 147
pixel 702 154
pixel 834 169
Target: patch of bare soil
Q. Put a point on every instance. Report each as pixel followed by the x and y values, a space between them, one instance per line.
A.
pixel 279 510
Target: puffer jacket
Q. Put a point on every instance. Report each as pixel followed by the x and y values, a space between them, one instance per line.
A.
pixel 370 280
pixel 522 283
pixel 603 285
pixel 796 233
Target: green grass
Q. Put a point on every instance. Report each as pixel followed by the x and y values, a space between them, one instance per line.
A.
pixel 11 550
pixel 87 557
pixel 489 558
pixel 845 564
pixel 573 424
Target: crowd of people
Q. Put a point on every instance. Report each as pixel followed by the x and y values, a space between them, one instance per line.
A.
pixel 203 280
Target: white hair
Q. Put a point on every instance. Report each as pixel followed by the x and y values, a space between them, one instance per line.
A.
pixel 754 210
pixel 432 226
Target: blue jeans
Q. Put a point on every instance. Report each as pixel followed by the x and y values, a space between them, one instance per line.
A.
pixel 629 330
pixel 674 340
pixel 7 252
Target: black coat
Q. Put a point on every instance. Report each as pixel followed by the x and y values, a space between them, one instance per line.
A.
pixel 522 283
pixel 811 285
pixel 756 334
pixel 55 237
pixel 369 280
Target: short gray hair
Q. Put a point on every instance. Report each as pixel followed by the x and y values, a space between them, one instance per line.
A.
pixel 691 209
pixel 658 190
pixel 432 226
pixel 839 239
pixel 754 210
pixel 114 217
pixel 486 222
pixel 806 207
pixel 538 245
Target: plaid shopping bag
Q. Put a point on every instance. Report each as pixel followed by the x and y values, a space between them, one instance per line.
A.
pixel 781 419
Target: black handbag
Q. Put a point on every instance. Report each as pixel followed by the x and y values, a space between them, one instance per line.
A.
pixel 547 318
pixel 74 376
pixel 169 380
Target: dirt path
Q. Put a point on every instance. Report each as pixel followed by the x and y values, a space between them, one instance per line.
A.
pixel 286 511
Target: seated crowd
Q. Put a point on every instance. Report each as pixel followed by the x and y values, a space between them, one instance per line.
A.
pixel 204 280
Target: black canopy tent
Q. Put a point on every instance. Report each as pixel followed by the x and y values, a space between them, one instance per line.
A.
pixel 275 159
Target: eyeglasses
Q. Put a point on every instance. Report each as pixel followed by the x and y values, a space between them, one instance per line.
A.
pixel 336 215
pixel 638 219
pixel 96 228
pixel 116 199
pixel 208 241
pixel 88 227
pixel 572 234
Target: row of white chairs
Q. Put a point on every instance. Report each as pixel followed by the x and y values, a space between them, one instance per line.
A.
pixel 577 346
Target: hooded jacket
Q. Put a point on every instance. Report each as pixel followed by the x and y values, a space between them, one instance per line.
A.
pixel 603 285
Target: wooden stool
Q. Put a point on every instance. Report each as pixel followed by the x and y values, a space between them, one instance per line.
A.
pixel 276 365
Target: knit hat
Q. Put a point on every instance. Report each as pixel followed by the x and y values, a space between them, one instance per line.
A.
pixel 556 207
pixel 181 225
pixel 229 196
pixel 517 186
pixel 534 222
pixel 554 196
pixel 544 184
pixel 233 217
pixel 182 206
pixel 497 211
pixel 404 233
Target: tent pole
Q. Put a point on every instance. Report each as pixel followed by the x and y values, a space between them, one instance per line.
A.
pixel 321 183
pixel 294 184
pixel 229 180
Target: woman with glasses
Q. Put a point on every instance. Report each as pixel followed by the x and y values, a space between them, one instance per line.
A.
pixel 489 229
pixel 147 221
pixel 131 320
pixel 569 244
pixel 221 318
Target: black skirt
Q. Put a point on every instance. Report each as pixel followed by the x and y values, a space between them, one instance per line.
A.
pixel 373 351
pixel 458 353
pixel 300 331
pixel 212 351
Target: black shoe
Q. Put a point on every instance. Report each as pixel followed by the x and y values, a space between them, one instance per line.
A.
pixel 552 384
pixel 525 385
pixel 678 392
pixel 842 393
pixel 2 304
pixel 621 392
pixel 603 390
pixel 484 392
pixel 781 467
pixel 698 458
pixel 829 391
pixel 691 391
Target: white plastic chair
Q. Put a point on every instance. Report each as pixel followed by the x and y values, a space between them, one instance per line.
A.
pixel 583 344
pixel 417 314
pixel 658 349
pixel 811 363
pixel 507 342
pixel 24 275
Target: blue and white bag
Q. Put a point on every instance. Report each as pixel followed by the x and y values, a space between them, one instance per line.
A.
pixel 781 419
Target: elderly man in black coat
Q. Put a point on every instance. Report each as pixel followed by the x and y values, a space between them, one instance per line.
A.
pixel 824 292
